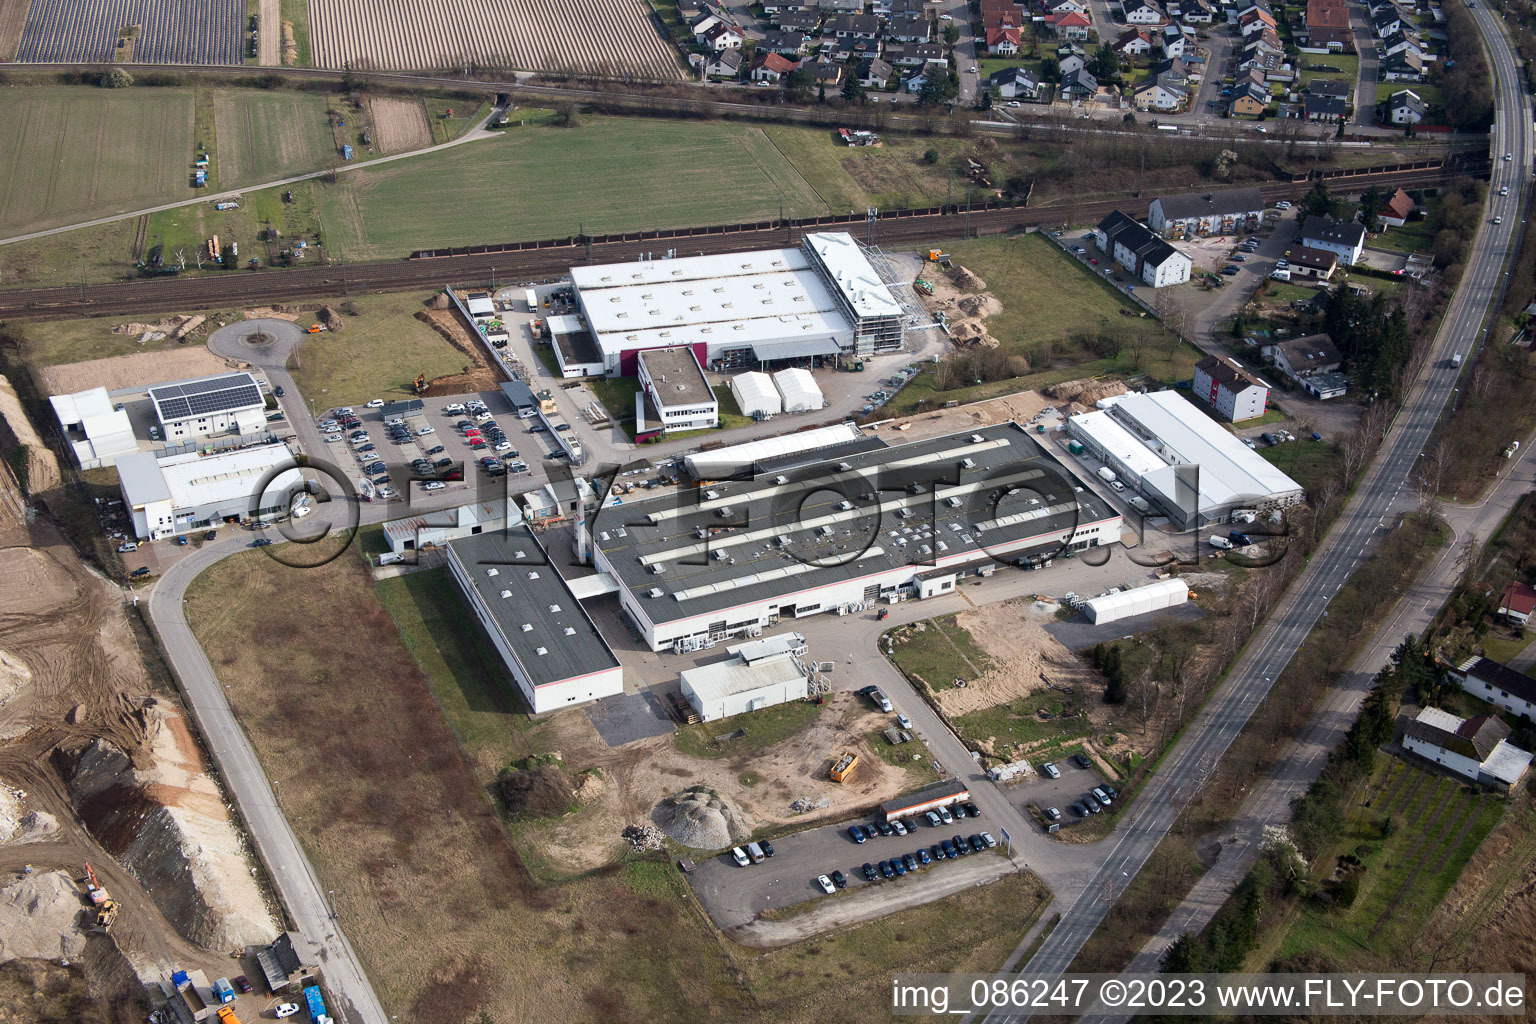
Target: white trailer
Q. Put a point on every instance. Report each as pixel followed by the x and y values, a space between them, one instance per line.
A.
pixel 1139 601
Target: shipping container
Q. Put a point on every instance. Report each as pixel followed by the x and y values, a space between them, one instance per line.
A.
pixel 315 1003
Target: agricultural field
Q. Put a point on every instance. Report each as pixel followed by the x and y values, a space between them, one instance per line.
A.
pixel 544 182
pixel 268 134
pixel 69 154
pixel 606 38
pixel 1403 870
pixel 170 31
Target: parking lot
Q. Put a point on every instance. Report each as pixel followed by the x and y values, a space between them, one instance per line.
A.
pixel 735 895
pixel 1062 793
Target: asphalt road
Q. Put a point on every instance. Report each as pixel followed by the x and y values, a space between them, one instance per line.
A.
pixel 1385 490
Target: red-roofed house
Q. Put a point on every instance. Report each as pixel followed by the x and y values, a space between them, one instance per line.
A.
pixel 771 67
pixel 1133 43
pixel 1070 25
pixel 1003 40
pixel 1395 213
pixel 1518 602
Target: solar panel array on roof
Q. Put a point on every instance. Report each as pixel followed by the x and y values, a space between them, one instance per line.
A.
pixel 205 395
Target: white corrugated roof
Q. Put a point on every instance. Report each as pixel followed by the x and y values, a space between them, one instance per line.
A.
pixel 1117 441
pixel 713 682
pixel 854 274
pixel 723 461
pixel 76 408
pixel 798 389
pixel 194 479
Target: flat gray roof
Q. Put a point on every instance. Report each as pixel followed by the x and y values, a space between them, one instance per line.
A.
pixel 519 394
pixel 676 376
pixel 1212 204
pixel 776 535
pixel 532 606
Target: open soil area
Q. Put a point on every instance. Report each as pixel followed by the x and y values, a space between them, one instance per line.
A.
pixel 608 38
pixel 399 125
pixel 139 370
pixel 13 14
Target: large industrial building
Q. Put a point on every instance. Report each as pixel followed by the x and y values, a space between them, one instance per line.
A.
pixel 229 403
pixel 758 674
pixel 192 491
pixel 535 622
pixel 1187 465
pixel 879 523
pixel 821 299
pixel 96 429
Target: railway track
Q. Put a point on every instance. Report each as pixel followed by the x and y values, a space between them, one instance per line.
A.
pixel 236 288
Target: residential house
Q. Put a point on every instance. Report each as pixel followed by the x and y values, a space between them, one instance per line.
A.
pixel 1176 71
pixel 1015 84
pixel 1172 42
pixel 1327 26
pixel 1004 41
pixel 1255 21
pixel 844 50
pixel 914 82
pixel 1474 748
pixel 1070 25
pixel 687 10
pixel 799 21
pixel 915 55
pixel 1222 383
pixel 1401 42
pixel 1157 94
pixel 1145 12
pixel 1267 41
pixel 1133 42
pixel 1518 603
pixel 1314 263
pixel 1152 260
pixel 1254 56
pixel 1079 86
pixel 1346 239
pixel 835 7
pixel 900 7
pixel 824 72
pixel 1405 107
pixel 908 28
pixel 1060 7
pixel 1403 66
pixel 1331 87
pixel 854 26
pixel 1499 685
pixel 1398 209
pixel 1299 358
pixel 770 67
pixel 1386 21
pixel 790 44
pixel 1253 76
pixel 724 64
pixel 1226 212
pixel 1072 60
pixel 874 73
pixel 721 38
pixel 1197 12
pixel 1250 100
pixel 1006 16
pixel 1329 109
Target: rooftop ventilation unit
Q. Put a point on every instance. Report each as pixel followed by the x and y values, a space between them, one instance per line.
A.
pixel 977 439
pixel 721 554
pixel 533 575
pixel 711 494
pixel 540 651
pixel 781 479
pixel 654 592
pixel 845 466
pixel 554 609
pixel 968 463
pixel 506 594
pixel 570 631
pixel 658 569
pixel 725 512
pixel 846 506
pixel 493 572
pixel 826 531
pixel 527 627
pixel 952 502
pixel 519 554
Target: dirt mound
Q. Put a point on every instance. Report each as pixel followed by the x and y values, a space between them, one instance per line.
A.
pixel 168 825
pixel 1085 391
pixel 702 819
pixel 332 319
pixel 136 370
pixel 40 917
pixel 289 313
pixel 971 332
pixel 966 281
pixel 980 306
pixel 539 792
pixel 439 300
pixel 171 327
pixel 41 466
pixel 478 375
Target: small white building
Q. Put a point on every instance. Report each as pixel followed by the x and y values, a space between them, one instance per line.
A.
pixel 755 394
pixel 673 385
pixel 96 428
pixel 1499 685
pixel 193 491
pixel 1474 748
pixel 1154 597
pixel 229 403
pixel 1346 240
pixel 798 390
pixel 758 675
pixel 1223 384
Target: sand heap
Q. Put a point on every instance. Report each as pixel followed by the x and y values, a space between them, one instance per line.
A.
pixel 1085 391
pixel 701 818
pixel 40 917
pixel 967 281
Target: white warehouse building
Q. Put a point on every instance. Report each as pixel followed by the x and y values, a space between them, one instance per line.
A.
pixel 97 431
pixel 823 298
pixel 193 491
pixel 1186 464
pixel 1154 597
pixel 798 390
pixel 229 403
pixel 758 675
pixel 838 529
pixel 755 395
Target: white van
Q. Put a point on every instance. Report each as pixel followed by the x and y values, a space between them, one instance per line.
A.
pixel 739 856
pixel 390 558
pixel 1221 543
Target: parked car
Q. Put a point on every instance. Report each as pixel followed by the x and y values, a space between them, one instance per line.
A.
pixel 976 843
pixel 869 831
pixel 285 1010
pixel 899 827
pixel 333 437
pixel 904 721
pixel 1079 810
pixel 1051 770
pixel 839 879
pixel 123 549
pixel 424 431
pixel 1092 804
pixel 377 403
pixel 142 570
pixel 909 862
pixel 856 834
pixel 937 850
pixel 1081 760
pixel 1106 787
pixel 868 871
pixel 261 542
pixel 987 840
pixel 767 848
pixel 1053 813
pixel 933 819
pixel 886 871
pixel 434 486
pixel 241 983
pixel 923 856
pixel 1101 796
pixel 971 810
pixel 949 849
pixel 826 884
pixel 945 816
pixel 739 856
pixel 211 535
pixel 898 867
pixel 885 828
pixel 958 842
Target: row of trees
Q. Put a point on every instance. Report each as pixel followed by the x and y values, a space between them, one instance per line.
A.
pixel 1466 85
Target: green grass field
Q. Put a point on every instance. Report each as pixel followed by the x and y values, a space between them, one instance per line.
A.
pixel 70 154
pixel 296 12
pixel 1305 461
pixel 376 355
pixel 188 228
pixel 1348 65
pixel 609 174
pixel 1438 824
pixel 267 134
pixel 937 653
pixel 894 174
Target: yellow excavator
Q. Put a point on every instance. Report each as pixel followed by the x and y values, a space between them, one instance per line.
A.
pixel 102 903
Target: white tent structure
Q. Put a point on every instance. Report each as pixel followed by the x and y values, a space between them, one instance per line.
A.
pixel 723 462
pixel 1153 597
pixel 97 430
pixel 755 394
pixel 798 389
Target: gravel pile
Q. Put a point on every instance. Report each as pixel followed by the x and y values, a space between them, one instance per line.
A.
pixel 701 819
pixel 644 837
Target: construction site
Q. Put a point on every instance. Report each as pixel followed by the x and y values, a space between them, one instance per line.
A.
pixel 120 860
